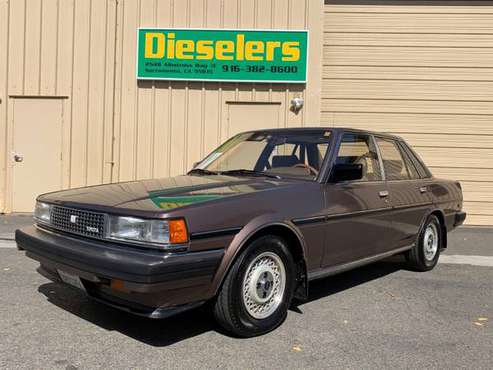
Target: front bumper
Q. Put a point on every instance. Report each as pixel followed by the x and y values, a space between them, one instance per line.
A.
pixel 151 283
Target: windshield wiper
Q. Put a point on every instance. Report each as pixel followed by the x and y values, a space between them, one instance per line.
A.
pixel 200 171
pixel 246 172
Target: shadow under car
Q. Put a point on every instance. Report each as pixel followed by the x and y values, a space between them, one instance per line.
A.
pixel 197 321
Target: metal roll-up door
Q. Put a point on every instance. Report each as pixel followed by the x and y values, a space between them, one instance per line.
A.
pixel 422 70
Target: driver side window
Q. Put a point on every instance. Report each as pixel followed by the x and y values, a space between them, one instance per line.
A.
pixel 359 149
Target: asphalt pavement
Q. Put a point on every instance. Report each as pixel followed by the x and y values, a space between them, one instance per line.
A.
pixel 8 224
pixel 378 316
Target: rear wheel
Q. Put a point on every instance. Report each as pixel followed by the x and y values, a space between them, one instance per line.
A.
pixel 426 251
pixel 258 289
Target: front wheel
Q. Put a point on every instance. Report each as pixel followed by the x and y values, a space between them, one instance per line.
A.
pixel 258 289
pixel 426 251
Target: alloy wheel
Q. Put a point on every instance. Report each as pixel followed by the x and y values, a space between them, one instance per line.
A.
pixel 264 285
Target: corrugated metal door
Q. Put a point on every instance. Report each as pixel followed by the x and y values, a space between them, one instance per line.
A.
pixel 423 70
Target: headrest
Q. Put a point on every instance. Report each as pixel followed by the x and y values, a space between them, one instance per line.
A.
pixel 284 161
pixel 364 169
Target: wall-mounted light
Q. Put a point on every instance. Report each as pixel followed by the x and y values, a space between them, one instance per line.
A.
pixel 297 103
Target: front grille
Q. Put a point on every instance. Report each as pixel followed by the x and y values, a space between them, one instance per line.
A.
pixel 78 221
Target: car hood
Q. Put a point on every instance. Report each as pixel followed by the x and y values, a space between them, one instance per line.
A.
pixel 161 195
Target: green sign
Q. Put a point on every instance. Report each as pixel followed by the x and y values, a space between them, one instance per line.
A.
pixel 222 55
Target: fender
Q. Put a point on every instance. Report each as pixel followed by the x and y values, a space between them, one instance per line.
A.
pixel 241 239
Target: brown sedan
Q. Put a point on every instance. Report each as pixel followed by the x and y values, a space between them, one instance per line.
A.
pixel 249 227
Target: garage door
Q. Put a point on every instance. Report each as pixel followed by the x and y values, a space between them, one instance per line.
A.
pixel 422 70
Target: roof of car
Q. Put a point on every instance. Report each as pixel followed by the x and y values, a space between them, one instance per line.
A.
pixel 322 128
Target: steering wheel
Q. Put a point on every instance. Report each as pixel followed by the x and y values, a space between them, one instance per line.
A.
pixel 312 170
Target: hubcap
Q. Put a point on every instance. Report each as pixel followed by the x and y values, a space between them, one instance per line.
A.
pixel 263 285
pixel 430 242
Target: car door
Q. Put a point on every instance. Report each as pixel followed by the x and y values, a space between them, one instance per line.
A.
pixel 358 220
pixel 408 193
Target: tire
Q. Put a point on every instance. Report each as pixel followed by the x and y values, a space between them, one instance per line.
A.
pixel 245 308
pixel 426 251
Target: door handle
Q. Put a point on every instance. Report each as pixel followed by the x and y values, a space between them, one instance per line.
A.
pixel 423 189
pixel 383 193
pixel 18 158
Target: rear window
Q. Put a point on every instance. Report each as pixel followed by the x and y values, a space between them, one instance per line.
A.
pixel 413 172
pixel 423 171
pixel 393 163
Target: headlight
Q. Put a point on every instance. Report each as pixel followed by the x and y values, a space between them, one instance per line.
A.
pixel 156 232
pixel 42 212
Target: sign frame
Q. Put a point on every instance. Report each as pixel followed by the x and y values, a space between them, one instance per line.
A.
pixel 294 82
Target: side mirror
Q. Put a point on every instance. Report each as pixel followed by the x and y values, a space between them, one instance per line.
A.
pixel 347 172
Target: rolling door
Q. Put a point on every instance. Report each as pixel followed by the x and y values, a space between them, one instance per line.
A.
pixel 422 70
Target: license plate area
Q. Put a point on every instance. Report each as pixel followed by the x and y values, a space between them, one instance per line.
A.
pixel 72 280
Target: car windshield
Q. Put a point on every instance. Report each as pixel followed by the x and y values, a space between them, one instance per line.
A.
pixel 296 154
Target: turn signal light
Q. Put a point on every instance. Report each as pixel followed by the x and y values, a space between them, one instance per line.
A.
pixel 117 285
pixel 177 231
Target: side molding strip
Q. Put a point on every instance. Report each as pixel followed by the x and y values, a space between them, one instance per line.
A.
pixel 315 219
pixel 324 218
pixel 332 270
pixel 358 213
pixel 215 233
pixel 309 220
